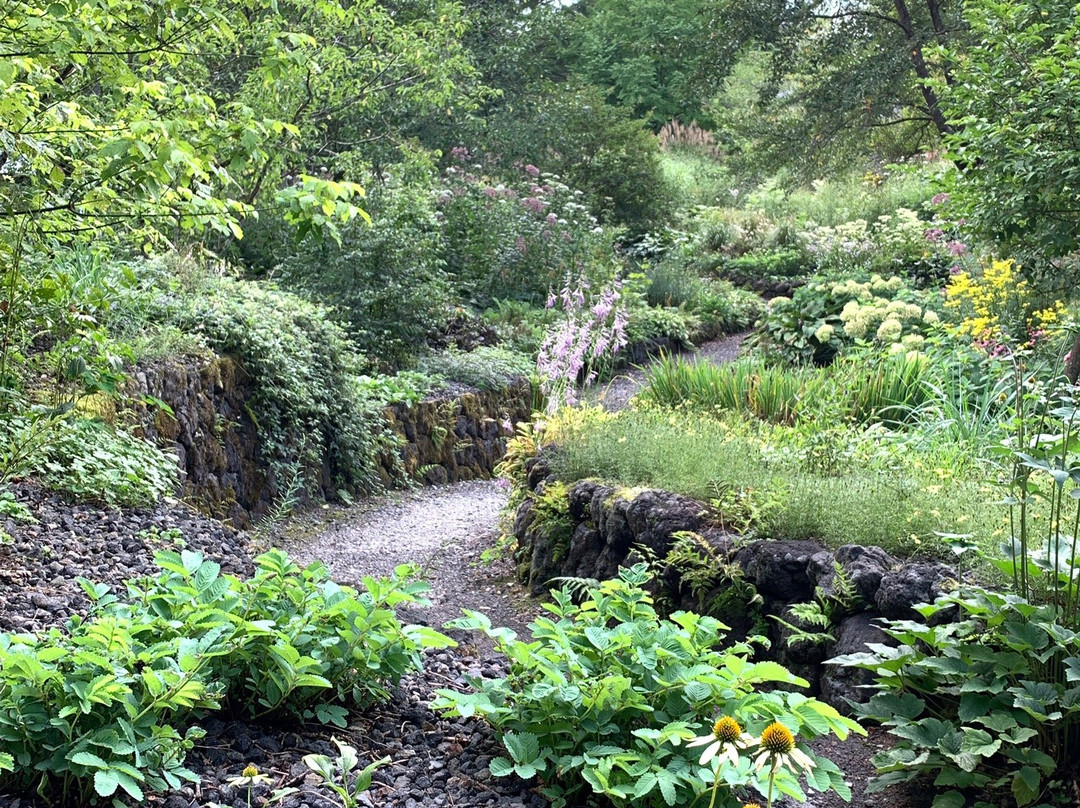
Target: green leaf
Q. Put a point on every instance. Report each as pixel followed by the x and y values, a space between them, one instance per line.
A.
pixel 1025 785
pixel 524 747
pixel 950 799
pixel 696 691
pixel 500 767
pixel 88 759
pixel 106 782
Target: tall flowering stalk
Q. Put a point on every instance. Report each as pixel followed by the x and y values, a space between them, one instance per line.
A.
pixel 591 331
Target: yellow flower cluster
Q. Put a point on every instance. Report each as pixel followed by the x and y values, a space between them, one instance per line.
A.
pixel 998 304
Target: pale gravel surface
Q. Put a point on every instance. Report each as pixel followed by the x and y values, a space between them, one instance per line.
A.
pixel 443 530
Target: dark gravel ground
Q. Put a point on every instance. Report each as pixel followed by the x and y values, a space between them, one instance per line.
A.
pixel 40 566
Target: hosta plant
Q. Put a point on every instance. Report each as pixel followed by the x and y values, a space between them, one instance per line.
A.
pixel 987 702
pixel 984 693
pixel 609 698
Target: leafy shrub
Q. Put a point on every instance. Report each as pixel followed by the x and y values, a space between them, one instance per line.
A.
pixel 519 325
pixel 995 305
pixel 407 386
pixel 671 283
pixel 597 147
pixel 732 232
pixel 90 460
pixel 384 279
pixel 326 644
pixel 822 318
pixel 486 368
pixel 984 702
pixel 516 240
pixel 788 263
pixel 606 693
pixel 106 704
pixel 982 691
pixel 93 710
pixel 647 323
pixel 309 411
pixel 898 242
pixel 723 309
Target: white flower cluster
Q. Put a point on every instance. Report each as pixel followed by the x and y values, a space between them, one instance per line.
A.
pixel 885 321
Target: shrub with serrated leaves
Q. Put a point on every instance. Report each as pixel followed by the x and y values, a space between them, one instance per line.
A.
pixel 606 694
pixel 96 709
pixel 106 705
pixel 990 701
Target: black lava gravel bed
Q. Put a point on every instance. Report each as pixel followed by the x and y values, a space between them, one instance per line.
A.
pixel 435 761
pixel 40 566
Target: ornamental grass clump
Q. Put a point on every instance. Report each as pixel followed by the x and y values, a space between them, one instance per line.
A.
pixel 612 702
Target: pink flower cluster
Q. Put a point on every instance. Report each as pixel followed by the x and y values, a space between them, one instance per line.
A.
pixel 593 326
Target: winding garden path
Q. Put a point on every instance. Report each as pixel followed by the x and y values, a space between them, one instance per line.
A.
pixel 444 530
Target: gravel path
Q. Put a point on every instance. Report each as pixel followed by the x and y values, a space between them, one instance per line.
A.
pixel 443 530
pixel 615 394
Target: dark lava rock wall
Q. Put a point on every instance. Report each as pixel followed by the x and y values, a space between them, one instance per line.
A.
pixel 213 430
pixel 610 527
pixel 456 437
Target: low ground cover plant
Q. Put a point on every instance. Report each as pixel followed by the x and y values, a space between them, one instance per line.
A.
pixel 108 704
pixel 882 487
pixel 609 698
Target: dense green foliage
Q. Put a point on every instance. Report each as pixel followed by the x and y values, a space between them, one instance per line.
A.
pixel 976 702
pixel 606 694
pixel 1015 106
pixel 386 279
pixel 309 406
pixel 544 183
pixel 108 704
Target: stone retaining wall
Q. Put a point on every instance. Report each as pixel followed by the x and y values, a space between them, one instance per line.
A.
pixel 610 526
pixel 213 430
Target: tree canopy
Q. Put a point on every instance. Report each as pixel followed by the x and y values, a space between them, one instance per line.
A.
pixel 167 117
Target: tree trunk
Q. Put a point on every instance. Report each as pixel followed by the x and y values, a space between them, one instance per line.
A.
pixel 1072 365
pixel 922 70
